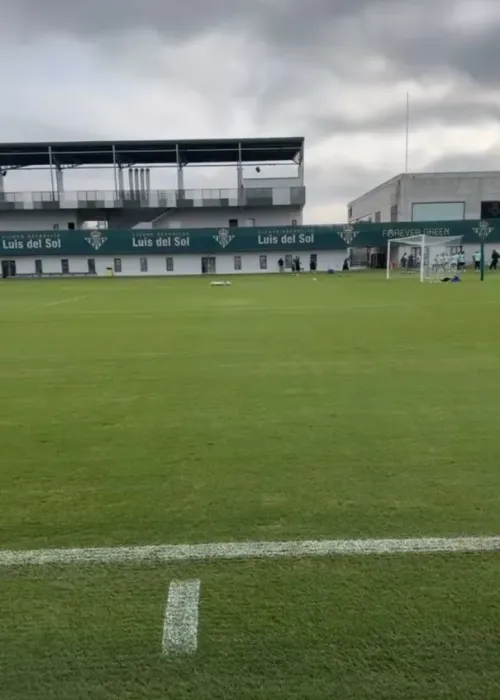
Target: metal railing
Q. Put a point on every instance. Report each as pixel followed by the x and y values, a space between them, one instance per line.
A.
pixel 181 199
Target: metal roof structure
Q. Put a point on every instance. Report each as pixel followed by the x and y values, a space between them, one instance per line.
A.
pixel 71 154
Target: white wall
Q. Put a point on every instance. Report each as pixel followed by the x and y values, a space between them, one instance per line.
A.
pixel 471 189
pixel 36 220
pixel 282 216
pixel 258 183
pixel 183 264
pixel 380 199
pixel 426 188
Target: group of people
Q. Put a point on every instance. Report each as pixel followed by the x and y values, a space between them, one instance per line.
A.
pixel 445 262
pixel 297 266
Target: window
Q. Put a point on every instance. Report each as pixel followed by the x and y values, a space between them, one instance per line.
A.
pixel 249 222
pixel 294 222
pixel 377 217
pixel 65 266
pixel 490 210
pixel 349 212
pixel 288 261
pixel 91 266
pixel 237 262
pixel 143 263
pixel 170 264
pixel 117 264
pixel 394 213
pixel 437 211
pixel 55 227
pixel 71 226
pixel 233 223
pixel 38 267
pixel 263 262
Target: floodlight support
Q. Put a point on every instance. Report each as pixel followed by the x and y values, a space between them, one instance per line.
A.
pixel 388 266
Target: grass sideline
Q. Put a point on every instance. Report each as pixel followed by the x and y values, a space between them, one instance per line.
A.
pixel 162 411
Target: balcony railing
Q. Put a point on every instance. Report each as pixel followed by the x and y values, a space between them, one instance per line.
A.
pixel 155 199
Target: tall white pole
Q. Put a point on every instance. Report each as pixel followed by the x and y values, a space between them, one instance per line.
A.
pixel 407 130
pixel 388 270
pixel 422 256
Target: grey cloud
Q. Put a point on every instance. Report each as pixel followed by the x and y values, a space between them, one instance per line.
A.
pixel 453 111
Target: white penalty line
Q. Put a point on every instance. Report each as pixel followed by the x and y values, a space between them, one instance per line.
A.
pixel 246 550
pixel 66 300
pixel 180 627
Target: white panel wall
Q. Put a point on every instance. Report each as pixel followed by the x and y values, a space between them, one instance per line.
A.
pixel 380 199
pixel 183 264
pixel 36 220
pixel 220 217
pixel 258 182
pixel 449 187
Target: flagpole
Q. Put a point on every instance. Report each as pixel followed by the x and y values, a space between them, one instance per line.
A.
pixel 407 139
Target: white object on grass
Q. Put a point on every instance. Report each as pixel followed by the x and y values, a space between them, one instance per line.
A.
pixel 180 627
pixel 220 284
pixel 431 253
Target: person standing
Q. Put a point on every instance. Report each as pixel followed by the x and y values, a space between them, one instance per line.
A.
pixel 477 260
pixel 495 256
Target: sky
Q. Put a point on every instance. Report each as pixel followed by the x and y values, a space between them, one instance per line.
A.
pixel 334 71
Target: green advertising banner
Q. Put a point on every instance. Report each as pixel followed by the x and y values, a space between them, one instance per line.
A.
pixel 230 240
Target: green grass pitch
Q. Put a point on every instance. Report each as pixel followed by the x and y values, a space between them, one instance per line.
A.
pixel 164 411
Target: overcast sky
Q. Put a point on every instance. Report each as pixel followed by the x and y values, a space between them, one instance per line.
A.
pixel 335 71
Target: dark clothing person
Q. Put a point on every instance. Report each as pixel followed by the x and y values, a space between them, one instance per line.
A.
pixel 495 256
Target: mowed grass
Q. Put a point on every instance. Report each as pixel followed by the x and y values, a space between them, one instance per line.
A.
pixel 166 411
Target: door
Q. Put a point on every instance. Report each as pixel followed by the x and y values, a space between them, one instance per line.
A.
pixel 8 268
pixel 208 265
pixel 91 266
pixel 38 267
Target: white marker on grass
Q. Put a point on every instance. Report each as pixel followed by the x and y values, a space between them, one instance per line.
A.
pixel 180 627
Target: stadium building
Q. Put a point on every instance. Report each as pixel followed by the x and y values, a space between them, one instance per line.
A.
pixel 430 197
pixel 433 197
pixel 132 228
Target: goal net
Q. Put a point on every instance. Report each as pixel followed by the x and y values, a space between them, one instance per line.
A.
pixel 425 257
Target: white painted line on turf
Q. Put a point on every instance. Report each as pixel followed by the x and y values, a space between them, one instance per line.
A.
pixel 246 550
pixel 66 301
pixel 180 627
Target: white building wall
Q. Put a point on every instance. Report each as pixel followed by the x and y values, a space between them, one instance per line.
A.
pixel 36 220
pixel 218 218
pixel 183 264
pixel 469 188
pixel 405 191
pixel 377 202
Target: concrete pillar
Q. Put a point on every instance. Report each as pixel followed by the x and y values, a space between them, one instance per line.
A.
pixel 59 180
pixel 3 175
pixel 121 186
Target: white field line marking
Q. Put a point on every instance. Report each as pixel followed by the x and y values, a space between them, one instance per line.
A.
pixel 246 550
pixel 180 627
pixel 66 301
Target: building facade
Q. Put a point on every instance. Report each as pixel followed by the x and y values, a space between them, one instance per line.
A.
pixel 254 199
pixel 212 251
pixel 430 197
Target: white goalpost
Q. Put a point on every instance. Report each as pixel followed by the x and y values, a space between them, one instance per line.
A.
pixel 425 256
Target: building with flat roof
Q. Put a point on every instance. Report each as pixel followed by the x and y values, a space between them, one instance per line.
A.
pixel 130 200
pixel 430 197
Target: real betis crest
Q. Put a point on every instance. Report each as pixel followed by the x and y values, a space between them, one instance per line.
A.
pixel 483 229
pixel 96 240
pixel 223 237
pixel 348 234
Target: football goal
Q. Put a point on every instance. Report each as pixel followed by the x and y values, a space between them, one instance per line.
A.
pixel 426 257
